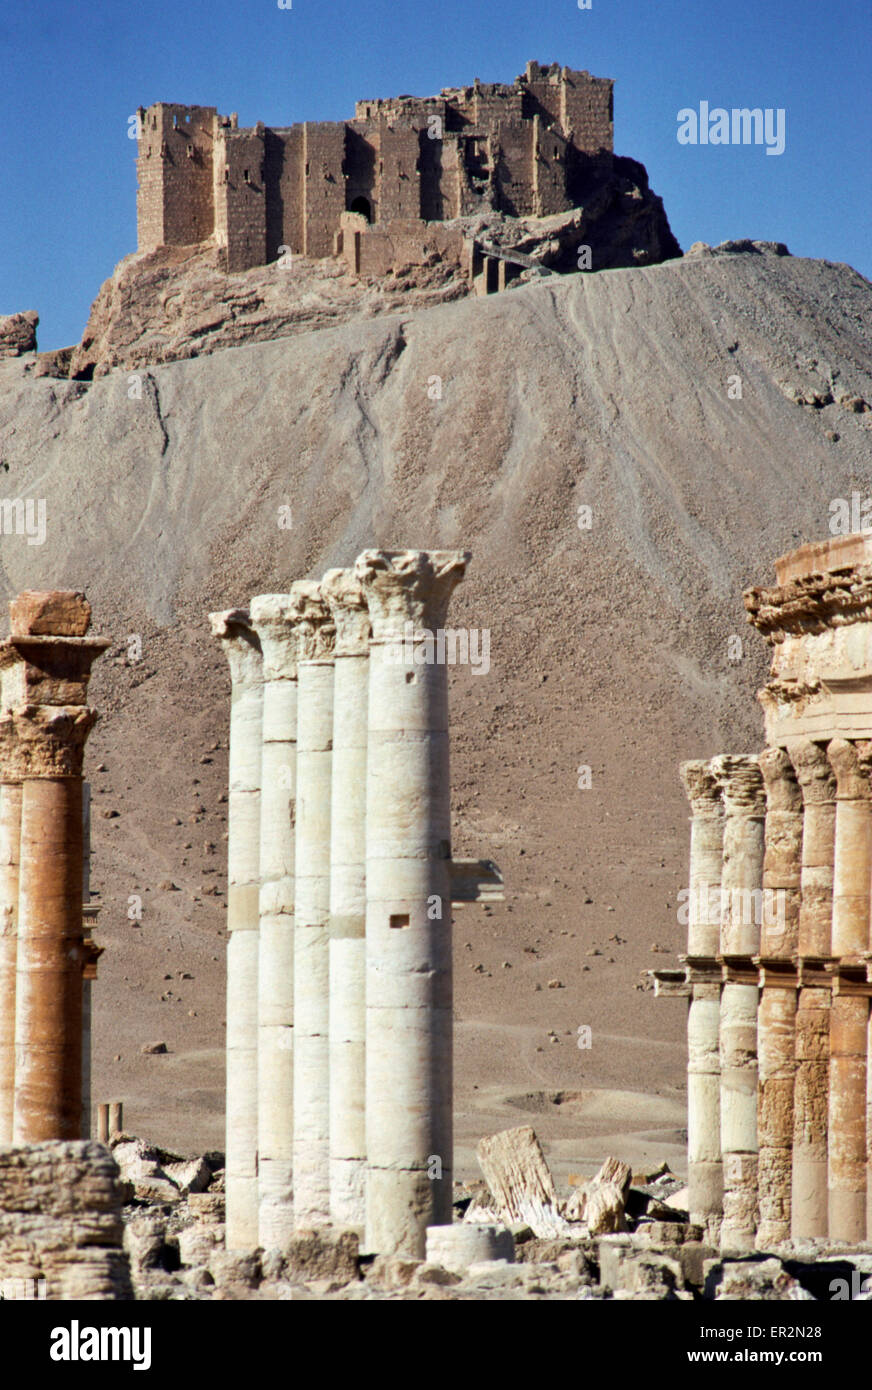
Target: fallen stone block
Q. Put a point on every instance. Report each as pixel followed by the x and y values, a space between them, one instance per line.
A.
pixel 730 1281
pixel 520 1181
pixel 392 1271
pixel 193 1175
pixel 197 1244
pixel 322 1254
pixel 621 1266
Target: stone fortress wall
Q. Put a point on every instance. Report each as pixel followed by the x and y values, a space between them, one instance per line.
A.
pixel 523 149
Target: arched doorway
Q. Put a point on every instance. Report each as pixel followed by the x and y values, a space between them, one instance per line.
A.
pixel 362 205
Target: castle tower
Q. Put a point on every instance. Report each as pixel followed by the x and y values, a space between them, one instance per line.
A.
pixel 175 200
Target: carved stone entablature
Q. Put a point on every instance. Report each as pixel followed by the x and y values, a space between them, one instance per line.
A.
pixel 812 603
pixel 43 741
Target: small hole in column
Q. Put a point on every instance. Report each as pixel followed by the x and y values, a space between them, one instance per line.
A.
pixel 411 678
pixel 399 919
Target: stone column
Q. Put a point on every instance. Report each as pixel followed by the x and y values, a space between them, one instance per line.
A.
pixel 10 843
pixel 852 851
pixel 242 649
pixel 744 796
pixel 849 1021
pixel 782 856
pixel 869 1110
pixel 315 643
pixel 852 874
pixel 818 783
pixel 809 1200
pixel 741 913
pixel 776 1044
pixel 272 616
pixel 776 1019
pixel 347 1022
pixel 705 1169
pixel 409 1079
pixel 49 658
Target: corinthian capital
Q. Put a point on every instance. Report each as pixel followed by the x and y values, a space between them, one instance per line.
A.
pixel 313 622
pixel 741 782
pixel 346 599
pixel 813 771
pixel 241 644
pixel 273 619
pixel 849 759
pixel 702 788
pixel 44 740
pixel 409 586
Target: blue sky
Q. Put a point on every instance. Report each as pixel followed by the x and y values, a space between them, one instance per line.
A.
pixel 71 75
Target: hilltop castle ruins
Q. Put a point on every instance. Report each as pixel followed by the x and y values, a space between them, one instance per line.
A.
pixel 373 189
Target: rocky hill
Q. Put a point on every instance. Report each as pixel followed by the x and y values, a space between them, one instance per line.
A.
pixel 486 423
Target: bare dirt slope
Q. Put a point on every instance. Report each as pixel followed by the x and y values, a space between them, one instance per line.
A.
pixel 609 646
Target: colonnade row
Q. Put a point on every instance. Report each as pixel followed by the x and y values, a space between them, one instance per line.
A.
pixel 339 968
pixel 47 962
pixel 779 976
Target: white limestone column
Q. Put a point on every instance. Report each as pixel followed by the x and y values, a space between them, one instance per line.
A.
pixel 704 1166
pixel 315 643
pixel 741 914
pixel 242 648
pixel 409 1079
pixel 347 967
pixel 273 618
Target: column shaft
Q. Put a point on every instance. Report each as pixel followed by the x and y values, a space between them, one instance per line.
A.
pixel 809 1197
pixel 818 783
pixel 242 647
pixel 10 848
pixel 776 1042
pixel 273 617
pixel 849 1021
pixel 739 1115
pixel 704 1164
pixel 409 1076
pixel 347 965
pixel 48 1023
pixel 852 854
pixel 742 877
pixel 316 636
